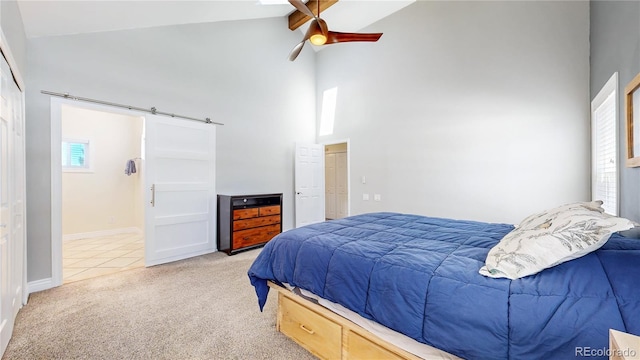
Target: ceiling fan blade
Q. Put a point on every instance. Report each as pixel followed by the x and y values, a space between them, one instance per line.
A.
pixel 338 37
pixel 296 50
pixel 302 7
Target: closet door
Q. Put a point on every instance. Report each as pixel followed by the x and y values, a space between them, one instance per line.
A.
pixel 330 185
pixel 342 192
pixel 17 189
pixel 179 175
pixel 6 323
pixel 11 202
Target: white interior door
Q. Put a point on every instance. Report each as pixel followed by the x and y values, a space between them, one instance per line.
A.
pixel 180 209
pixel 309 183
pixel 18 184
pixel 6 323
pixel 11 202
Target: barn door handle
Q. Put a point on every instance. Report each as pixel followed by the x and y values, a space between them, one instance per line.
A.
pixel 153 195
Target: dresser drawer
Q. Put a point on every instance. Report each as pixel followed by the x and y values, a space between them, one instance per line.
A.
pixel 256 222
pixel 270 210
pixel 255 236
pixel 245 213
pixel 323 338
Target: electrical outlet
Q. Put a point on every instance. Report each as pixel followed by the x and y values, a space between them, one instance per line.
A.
pixel 365 197
pixel 377 197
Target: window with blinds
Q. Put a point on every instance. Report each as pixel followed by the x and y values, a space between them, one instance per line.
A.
pixel 604 145
pixel 75 155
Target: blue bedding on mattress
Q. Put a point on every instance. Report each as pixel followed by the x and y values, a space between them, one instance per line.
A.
pixel 419 276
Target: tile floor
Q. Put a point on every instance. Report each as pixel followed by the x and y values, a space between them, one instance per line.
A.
pixel 86 258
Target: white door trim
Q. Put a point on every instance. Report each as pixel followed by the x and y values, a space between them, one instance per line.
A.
pixel 56 180
pixel 348 142
pixel 25 290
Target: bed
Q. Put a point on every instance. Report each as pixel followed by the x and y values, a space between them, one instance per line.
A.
pixel 419 276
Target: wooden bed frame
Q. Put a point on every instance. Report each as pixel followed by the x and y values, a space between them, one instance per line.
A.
pixel 331 336
pixel 328 335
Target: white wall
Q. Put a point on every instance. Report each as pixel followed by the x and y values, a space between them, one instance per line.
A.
pixel 13 30
pixel 104 198
pixel 474 110
pixel 233 72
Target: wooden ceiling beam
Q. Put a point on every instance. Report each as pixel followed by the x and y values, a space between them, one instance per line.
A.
pixel 296 18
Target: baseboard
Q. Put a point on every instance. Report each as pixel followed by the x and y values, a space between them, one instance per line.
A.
pixel 39 285
pixel 94 234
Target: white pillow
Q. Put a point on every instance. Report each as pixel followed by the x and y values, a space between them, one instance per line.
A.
pixel 550 238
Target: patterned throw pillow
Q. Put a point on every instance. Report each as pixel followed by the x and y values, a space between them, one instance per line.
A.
pixel 550 238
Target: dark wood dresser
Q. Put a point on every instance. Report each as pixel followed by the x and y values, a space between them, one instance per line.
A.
pixel 248 221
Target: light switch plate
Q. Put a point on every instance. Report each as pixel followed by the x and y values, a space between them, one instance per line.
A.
pixel 365 197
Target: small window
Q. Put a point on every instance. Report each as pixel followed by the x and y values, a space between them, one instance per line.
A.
pixel 76 155
pixel 327 117
pixel 604 145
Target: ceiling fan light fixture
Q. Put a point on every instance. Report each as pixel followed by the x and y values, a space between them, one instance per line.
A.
pixel 317 36
pixel 318 39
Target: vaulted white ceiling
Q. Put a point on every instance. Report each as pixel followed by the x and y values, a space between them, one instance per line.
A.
pixel 63 17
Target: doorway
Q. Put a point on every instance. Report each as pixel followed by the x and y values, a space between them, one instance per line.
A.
pixel 336 172
pixel 314 200
pixel 177 183
pixel 102 201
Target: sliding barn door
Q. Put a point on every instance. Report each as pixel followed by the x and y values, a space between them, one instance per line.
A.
pixel 179 175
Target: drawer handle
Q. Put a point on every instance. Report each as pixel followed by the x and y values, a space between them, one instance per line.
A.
pixel 311 332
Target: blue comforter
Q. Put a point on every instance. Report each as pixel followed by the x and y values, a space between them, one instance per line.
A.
pixel 419 276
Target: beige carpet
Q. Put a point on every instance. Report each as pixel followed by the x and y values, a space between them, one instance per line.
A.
pixel 200 308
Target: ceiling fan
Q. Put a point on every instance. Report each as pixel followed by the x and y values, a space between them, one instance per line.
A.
pixel 319 34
